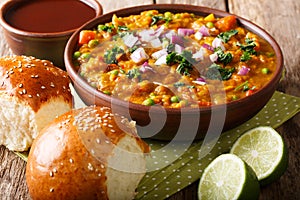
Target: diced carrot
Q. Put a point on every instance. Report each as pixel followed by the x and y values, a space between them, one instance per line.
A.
pixel 85 36
pixel 226 23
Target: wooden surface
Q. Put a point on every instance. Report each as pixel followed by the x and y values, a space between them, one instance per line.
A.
pixel 281 20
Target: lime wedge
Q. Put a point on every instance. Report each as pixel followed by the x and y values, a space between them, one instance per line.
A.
pixel 265 151
pixel 228 177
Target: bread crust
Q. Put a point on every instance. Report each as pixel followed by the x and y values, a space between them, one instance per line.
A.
pixel 68 160
pixel 33 81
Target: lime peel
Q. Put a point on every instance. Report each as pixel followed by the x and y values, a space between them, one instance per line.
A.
pixel 228 177
pixel 265 151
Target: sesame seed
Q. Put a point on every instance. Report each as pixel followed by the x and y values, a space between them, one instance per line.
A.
pixel 20 85
pixel 90 167
pixel 102 166
pixel 71 160
pixel 112 130
pixel 6 76
pixel 30 96
pixel 51 174
pixel 43 87
pixel 52 84
pixel 99 174
pixel 20 92
pixel 110 126
pixel 51 190
pixel 38 95
pixel 55 170
pixel 98 140
pixel 24 91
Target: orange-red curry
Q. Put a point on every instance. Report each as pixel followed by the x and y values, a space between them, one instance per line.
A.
pixel 174 59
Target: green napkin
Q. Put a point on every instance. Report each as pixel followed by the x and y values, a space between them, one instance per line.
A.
pixel 177 165
pixel 182 169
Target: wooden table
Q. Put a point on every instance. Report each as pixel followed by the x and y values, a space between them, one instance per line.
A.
pixel 281 20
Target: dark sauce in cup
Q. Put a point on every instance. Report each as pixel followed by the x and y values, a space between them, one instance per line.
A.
pixel 49 16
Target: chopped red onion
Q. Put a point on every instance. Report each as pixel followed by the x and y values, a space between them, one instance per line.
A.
pixel 217 42
pixel 158 31
pixel 160 53
pixel 213 57
pixel 243 71
pixel 147 35
pixel 169 34
pixel 130 40
pixel 198 35
pixel 178 49
pixel 162 60
pixel 204 30
pixel 199 55
pixel 208 47
pixel 139 55
pixel 175 39
pixel 155 43
pixel 185 31
pixel 146 67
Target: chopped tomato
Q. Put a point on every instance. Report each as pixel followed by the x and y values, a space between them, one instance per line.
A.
pixel 226 23
pixel 204 103
pixel 85 36
pixel 249 92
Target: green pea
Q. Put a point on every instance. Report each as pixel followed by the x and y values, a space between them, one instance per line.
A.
pixel 265 70
pixel 85 55
pixel 174 99
pixel 168 14
pixel 234 97
pixel 177 16
pixel 114 72
pixel 184 102
pixel 107 92
pixel 93 43
pixel 76 54
pixel 210 25
pixel 148 102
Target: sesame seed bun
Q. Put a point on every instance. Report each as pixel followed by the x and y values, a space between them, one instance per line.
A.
pixel 32 93
pixel 87 153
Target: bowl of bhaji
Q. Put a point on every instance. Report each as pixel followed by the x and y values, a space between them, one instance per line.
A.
pixel 181 72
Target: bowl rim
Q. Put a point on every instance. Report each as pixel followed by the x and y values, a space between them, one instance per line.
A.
pixel 94 4
pixel 79 81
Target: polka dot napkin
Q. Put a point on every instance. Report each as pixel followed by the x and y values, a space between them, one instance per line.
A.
pixel 174 166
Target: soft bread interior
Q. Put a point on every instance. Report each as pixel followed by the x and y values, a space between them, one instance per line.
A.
pixel 19 124
pixel 126 167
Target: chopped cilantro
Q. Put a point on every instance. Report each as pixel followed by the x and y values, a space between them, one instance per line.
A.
pixel 179 84
pixel 123 28
pixel 157 18
pixel 245 56
pixel 110 55
pixel 170 48
pixel 216 72
pixel 224 58
pixel 107 28
pixel 225 36
pixel 134 73
pixel 184 60
pixel 248 49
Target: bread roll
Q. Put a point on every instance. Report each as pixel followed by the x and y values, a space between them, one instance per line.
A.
pixel 32 93
pixel 88 153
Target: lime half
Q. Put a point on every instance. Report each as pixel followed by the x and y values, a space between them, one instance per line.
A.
pixel 228 177
pixel 265 151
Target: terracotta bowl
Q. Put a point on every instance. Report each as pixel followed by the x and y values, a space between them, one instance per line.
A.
pixel 177 124
pixel 42 45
